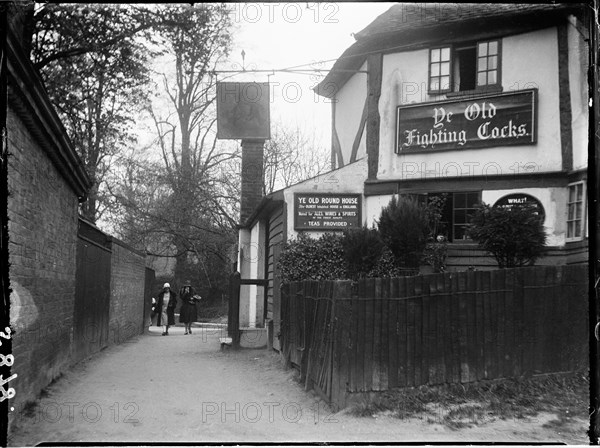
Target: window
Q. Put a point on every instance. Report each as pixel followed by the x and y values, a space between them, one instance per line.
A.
pixel 487 63
pixel 576 212
pixel 439 69
pixel 470 66
pixel 456 213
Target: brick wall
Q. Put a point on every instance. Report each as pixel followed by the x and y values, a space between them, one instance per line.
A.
pixel 128 272
pixel 42 227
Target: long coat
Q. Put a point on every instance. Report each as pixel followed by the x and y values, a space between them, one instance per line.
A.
pixel 188 312
pixel 170 308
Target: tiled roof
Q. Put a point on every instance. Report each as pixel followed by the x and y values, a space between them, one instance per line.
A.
pixel 406 23
pixel 411 16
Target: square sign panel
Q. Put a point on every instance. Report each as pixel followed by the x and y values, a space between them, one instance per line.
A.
pixel 243 110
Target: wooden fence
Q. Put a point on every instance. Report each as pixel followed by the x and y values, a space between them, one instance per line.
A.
pixel 459 327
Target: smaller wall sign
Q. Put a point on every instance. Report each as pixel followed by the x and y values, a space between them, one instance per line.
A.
pixel 510 200
pixel 327 211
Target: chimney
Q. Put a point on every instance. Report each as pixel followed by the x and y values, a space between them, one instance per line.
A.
pixel 252 177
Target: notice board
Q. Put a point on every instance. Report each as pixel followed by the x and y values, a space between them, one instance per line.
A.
pixel 322 211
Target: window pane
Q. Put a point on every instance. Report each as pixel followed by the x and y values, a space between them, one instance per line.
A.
pixel 482 64
pixel 483 49
pixel 572 190
pixel 577 228
pixel 482 79
pixel 493 47
pixel 578 208
pixel 460 200
pixel 571 213
pixel 493 62
pixel 445 68
pixel 570 228
pixel 435 69
pixel 472 200
pixel 434 84
pixel 446 54
pixel 580 192
pixel 460 216
pixel 459 233
pixel 445 82
pixel 435 55
pixel 492 77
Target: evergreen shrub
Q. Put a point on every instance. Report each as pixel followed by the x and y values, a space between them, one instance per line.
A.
pixel 362 250
pixel 306 258
pixel 513 236
pixel 404 228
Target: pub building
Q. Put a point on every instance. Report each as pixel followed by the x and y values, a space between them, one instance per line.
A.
pixel 480 102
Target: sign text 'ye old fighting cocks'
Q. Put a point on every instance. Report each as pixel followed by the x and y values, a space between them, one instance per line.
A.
pixel 477 122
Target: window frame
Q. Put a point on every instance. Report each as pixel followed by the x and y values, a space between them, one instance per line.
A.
pixel 454 209
pixel 450 73
pixel 498 64
pixel 452 224
pixel 583 218
pixel 454 90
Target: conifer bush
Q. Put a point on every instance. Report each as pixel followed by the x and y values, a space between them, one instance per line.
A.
pixel 362 250
pixel 513 236
pixel 404 228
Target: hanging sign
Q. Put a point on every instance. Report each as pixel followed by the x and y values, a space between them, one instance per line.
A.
pixel 327 211
pixel 476 122
pixel 243 110
pixel 511 200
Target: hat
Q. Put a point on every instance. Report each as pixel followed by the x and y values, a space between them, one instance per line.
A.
pixel 166 285
pixel 187 283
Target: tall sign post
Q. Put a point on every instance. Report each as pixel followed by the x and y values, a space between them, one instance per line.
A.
pixel 243 114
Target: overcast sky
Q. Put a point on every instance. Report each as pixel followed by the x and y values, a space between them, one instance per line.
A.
pixel 282 35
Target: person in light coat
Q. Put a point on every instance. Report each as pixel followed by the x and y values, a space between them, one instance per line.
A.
pixel 167 300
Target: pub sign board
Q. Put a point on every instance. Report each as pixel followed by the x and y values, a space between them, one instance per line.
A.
pixel 477 122
pixel 327 211
pixel 511 200
pixel 243 110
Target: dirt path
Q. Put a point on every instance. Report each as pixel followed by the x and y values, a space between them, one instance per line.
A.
pixel 183 388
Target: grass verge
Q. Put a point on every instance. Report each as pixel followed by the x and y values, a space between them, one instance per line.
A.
pixel 464 405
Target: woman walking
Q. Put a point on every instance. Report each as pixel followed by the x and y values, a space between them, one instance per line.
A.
pixel 167 300
pixel 188 312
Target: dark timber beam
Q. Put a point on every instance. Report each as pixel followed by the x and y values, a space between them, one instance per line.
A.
pixel 374 66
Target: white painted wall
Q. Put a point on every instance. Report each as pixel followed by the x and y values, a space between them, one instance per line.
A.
pixel 350 103
pixel 578 81
pixel 244 268
pixel 349 179
pixel 251 264
pixel 373 207
pixel 528 60
pixel 554 201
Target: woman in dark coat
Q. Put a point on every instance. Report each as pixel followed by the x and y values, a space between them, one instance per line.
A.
pixel 167 300
pixel 188 312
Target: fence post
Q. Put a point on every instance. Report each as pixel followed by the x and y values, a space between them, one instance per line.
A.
pixel 233 318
